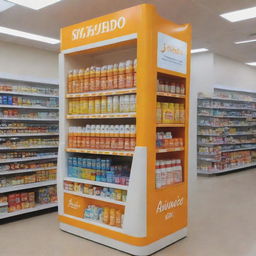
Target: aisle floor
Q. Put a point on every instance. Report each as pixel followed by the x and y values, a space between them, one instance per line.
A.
pixel 222 223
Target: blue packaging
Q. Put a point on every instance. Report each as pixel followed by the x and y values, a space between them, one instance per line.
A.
pixel 9 100
pixel 94 164
pixel 4 99
pixel 1 100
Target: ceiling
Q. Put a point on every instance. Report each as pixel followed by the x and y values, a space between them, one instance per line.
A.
pixel 209 29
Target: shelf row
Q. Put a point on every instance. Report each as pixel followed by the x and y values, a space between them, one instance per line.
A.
pixel 28 134
pixel 33 147
pixel 29 94
pixel 227 135
pixel 29 119
pixel 27 159
pixel 29 107
pixel 224 143
pixel 226 99
pixel 26 170
pixel 228 150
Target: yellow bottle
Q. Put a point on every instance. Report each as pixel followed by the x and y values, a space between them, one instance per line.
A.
pixel 165 113
pixel 91 106
pixel 158 113
pixel 182 113
pixel 103 104
pixel 176 113
pixel 171 113
pixel 97 105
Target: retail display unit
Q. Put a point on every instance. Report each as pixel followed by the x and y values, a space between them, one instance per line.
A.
pixel 122 163
pixel 226 131
pixel 29 133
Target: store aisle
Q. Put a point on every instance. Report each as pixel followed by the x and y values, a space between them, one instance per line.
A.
pixel 222 223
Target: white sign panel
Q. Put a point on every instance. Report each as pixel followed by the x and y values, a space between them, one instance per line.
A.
pixel 171 53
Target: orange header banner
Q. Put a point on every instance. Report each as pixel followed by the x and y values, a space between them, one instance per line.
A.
pixel 117 24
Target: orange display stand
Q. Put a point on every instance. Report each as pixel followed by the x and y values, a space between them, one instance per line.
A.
pixel 153 216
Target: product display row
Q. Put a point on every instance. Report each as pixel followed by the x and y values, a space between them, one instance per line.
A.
pixel 25 154
pixel 170 86
pixel 228 131
pixel 25 200
pixel 170 113
pixel 227 140
pixel 168 172
pixel 22 114
pixel 207 103
pixel 100 192
pixel 98 169
pixel 227 113
pixel 107 77
pixel 27 89
pixel 166 140
pixel 234 95
pixel 103 105
pixel 38 176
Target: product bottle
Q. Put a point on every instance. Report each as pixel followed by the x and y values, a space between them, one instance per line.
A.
pixel 86 80
pixel 110 104
pixel 132 136
pixel 177 113
pixel 171 113
pixel 163 173
pixel 116 104
pixel 158 113
pixel 121 137
pixel 92 137
pixel 129 73
pixel 70 77
pixel 102 136
pixel 135 73
pixel 182 113
pixel 127 137
pixel 97 136
pixel 132 103
pixel 97 105
pixel 92 78
pixel 107 137
pixel 115 76
pixel 110 77
pixel 158 175
pixel 121 75
pixel 91 106
pixel 97 78
pixel 179 177
pixel 103 77
pixel 166 113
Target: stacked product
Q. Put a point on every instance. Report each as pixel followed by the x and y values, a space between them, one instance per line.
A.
pixel 165 140
pixel 169 86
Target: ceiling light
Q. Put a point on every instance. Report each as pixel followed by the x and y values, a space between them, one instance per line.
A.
pixel 239 15
pixel 35 4
pixel 199 50
pixel 246 41
pixel 251 63
pixel 30 36
pixel 5 5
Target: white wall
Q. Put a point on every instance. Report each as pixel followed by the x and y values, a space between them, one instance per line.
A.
pixel 27 61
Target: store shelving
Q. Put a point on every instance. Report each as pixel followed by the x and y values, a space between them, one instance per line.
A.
pixel 29 127
pixel 85 67
pixel 239 125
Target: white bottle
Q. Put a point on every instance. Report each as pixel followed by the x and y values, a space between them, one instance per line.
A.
pixel 179 171
pixel 116 104
pixel 169 172
pixel 132 103
pixel 110 104
pixel 163 173
pixel 158 175
pixel 126 103
pixel 121 104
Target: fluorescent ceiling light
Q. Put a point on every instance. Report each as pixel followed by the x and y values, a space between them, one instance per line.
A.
pixel 5 5
pixel 246 41
pixel 199 50
pixel 251 63
pixel 239 15
pixel 26 35
pixel 35 4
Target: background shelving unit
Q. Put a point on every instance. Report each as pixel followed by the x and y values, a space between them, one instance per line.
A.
pixel 145 227
pixel 226 131
pixel 29 133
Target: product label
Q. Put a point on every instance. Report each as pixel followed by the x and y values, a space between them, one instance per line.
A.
pixel 171 53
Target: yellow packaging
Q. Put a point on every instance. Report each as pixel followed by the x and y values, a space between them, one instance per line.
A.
pixel 165 111
pixel 91 106
pixel 176 113
pixel 70 106
pixel 158 113
pixel 85 106
pixel 97 105
pixel 112 217
pixel 103 104
pixel 110 104
pixel 106 214
pixel 171 113
pixel 182 113
pixel 76 107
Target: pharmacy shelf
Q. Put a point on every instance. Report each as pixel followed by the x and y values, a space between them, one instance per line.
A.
pixel 228 108
pixel 94 222
pixel 29 94
pixel 208 159
pixel 226 170
pixel 10 172
pixel 97 183
pixel 240 149
pixel 27 159
pixel 29 119
pixel 220 126
pixel 238 117
pixel 28 134
pixel 164 150
pixel 226 99
pixel 38 207
pixel 223 143
pixel 29 107
pixel 102 93
pixel 171 95
pixel 3 204
pixel 27 186
pixel 228 135
pixel 34 147
pixel 102 116
pixel 100 198
pixel 170 125
pixel 100 152
pixel 13 128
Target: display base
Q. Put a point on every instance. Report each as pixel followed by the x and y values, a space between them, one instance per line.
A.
pixel 131 249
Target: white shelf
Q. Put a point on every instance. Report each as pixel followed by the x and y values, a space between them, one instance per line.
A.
pixel 218 98
pixel 34 147
pixel 229 135
pixel 96 223
pixel 100 152
pixel 29 119
pixel 238 117
pixel 3 204
pixel 26 170
pixel 27 159
pixel 29 94
pixel 208 160
pixel 228 108
pixel 227 170
pixel 102 93
pixel 219 144
pixel 102 116
pixel 233 150
pixel 27 134
pixel 97 183
pixel 13 128
pixel 28 210
pixel 164 150
pixel 28 107
pixel 27 186
pixel 220 126
pixel 100 198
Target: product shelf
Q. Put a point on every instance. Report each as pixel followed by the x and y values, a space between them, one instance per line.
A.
pixel 220 126
pixel 100 152
pixel 27 134
pixel 27 159
pixel 103 116
pixel 34 147
pixel 171 95
pixel 3 204
pixel 228 108
pixel 102 93
pixel 219 144
pixel 164 150
pixel 225 99
pixel 170 125
pixel 26 170
pixel 28 94
pixel 29 119
pixel 97 183
pixel 171 73
pixel 100 198
pixel 38 207
pixel 29 107
pixel 240 149
pixel 227 135
pixel 238 117
pixel 96 223
pixel 208 159
pixel 27 186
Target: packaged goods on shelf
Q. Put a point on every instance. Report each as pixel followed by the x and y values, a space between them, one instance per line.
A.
pixel 170 113
pixel 103 105
pixel 227 131
pixel 101 192
pixel 225 113
pixel 207 103
pixel 19 201
pixel 226 140
pixel 14 113
pixel 108 77
pixel 98 169
pixel 228 94
pixel 25 154
pixel 46 195
pixel 106 215
pixel 21 88
pixel 112 137
pixel 168 172
pixel 10 100
pixel 209 150
pixel 223 122
pixel 169 86
pixel 166 140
